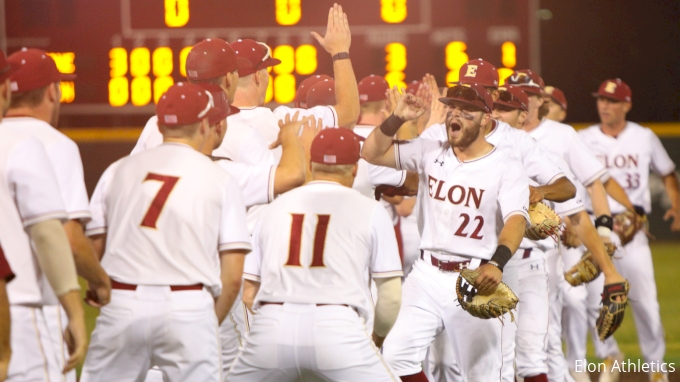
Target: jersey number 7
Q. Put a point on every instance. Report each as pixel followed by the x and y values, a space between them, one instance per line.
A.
pixel 158 202
pixel 296 240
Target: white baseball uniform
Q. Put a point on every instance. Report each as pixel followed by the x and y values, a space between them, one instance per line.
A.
pixel 29 194
pixel 629 158
pixel 251 147
pixel 166 213
pixel 314 299
pixel 68 168
pixel 463 207
pixel 266 121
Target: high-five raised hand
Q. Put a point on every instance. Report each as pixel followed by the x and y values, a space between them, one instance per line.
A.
pixel 338 37
pixel 406 106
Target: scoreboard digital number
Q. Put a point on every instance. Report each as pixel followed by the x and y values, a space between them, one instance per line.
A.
pixel 128 53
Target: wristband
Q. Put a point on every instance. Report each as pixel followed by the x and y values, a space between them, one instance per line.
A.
pixel 604 231
pixel 501 256
pixel 604 221
pixel 340 56
pixel 391 125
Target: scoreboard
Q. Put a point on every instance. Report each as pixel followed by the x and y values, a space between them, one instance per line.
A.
pixel 126 53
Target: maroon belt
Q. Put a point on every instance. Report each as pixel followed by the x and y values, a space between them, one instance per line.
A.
pixel 450 266
pixel 280 303
pixel 175 288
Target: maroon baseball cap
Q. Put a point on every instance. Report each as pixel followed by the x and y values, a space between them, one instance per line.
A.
pixel 7 68
pixel 478 72
pixel 258 54
pixel 183 104
pixel 212 58
pixel 222 107
pixel 616 90
pixel 557 95
pixel 372 88
pixel 305 85
pixel 513 97
pixel 336 146
pixel 529 81
pixel 412 87
pixel 321 94
pixel 470 94
pixel 36 69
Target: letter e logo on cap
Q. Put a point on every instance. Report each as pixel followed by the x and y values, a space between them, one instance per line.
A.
pixel 471 71
pixel 610 88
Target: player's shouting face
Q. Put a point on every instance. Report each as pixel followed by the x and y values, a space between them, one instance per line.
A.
pixel 463 124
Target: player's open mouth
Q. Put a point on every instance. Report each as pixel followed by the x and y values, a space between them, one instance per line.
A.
pixel 454 127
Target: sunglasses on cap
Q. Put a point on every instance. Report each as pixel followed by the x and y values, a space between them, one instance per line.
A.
pixel 507 97
pixel 465 92
pixel 522 79
pixel 267 55
pixel 209 106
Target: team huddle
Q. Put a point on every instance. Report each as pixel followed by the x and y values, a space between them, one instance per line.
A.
pixel 367 233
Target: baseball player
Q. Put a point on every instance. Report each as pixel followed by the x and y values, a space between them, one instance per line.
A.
pixel 35 110
pixel 463 226
pixel 563 141
pixel 175 267
pixel 214 61
pixel 312 300
pixel 549 183
pixel 630 152
pixel 252 87
pixel 306 84
pixel 321 93
pixel 6 275
pixel 557 104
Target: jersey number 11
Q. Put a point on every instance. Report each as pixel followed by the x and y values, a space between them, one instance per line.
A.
pixel 296 240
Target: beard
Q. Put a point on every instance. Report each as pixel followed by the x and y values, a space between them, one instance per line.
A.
pixel 466 137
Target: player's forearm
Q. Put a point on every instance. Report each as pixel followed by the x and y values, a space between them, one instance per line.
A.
pixel 250 289
pixel 408 131
pixel 598 196
pixel 54 256
pixel 346 93
pixel 87 263
pixel 99 244
pixel 671 183
pixel 378 148
pixel 405 208
pixel 290 172
pixel 585 230
pixel 73 306
pixel 231 276
pixel 559 191
pixel 388 304
pixel 512 233
pixel 5 348
pixel 614 189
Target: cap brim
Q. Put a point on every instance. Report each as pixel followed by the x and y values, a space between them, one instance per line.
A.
pixel 557 101
pixel 67 77
pixel 233 110
pixel 449 101
pixel 509 104
pixel 271 61
pixel 530 89
pixel 486 85
pixel 608 96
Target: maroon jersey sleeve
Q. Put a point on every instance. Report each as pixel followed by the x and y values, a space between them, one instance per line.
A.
pixel 5 271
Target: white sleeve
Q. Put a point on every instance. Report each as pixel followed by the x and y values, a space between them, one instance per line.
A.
pixel 151 137
pixel 583 163
pixel 435 132
pixel 326 113
pixel 538 164
pixel 97 225
pixel 409 154
pixel 385 175
pixel 31 177
pixel 256 182
pixel 661 164
pixel 513 195
pixel 385 261
pixel 233 232
pixel 68 168
pixel 252 267
pixel 254 150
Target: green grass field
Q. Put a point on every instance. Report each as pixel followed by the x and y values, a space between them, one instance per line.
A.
pixel 666 257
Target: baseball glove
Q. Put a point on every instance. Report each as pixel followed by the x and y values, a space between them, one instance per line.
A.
pixel 627 224
pixel 494 305
pixel 611 312
pixel 392 191
pixel 586 270
pixel 544 222
pixel 570 239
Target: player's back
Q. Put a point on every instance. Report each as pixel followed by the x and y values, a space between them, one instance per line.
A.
pixel 164 209
pixel 318 243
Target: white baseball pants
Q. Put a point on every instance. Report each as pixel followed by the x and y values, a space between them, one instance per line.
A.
pixel 309 342
pixel 428 306
pixel 153 326
pixel 33 356
pixel 557 364
pixel 56 321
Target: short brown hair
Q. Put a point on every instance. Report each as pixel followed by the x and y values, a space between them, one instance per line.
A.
pixel 31 98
